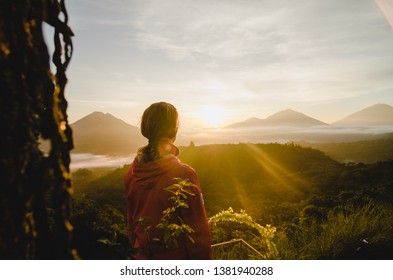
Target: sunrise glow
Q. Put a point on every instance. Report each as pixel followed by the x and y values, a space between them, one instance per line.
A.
pixel 213 116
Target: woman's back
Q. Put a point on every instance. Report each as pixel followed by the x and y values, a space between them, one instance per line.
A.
pixel 147 199
pixel 165 224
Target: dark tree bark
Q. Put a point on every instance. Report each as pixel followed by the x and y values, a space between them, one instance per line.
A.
pixel 35 186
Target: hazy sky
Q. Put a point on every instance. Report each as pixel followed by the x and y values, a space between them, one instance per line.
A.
pixel 240 58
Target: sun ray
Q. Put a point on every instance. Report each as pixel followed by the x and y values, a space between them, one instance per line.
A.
pixel 386 7
pixel 278 171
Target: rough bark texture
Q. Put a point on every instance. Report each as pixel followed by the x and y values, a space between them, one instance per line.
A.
pixel 35 186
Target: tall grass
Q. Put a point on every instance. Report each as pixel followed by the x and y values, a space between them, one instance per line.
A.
pixel 343 234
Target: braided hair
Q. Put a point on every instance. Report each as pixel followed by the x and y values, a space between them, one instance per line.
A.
pixel 160 120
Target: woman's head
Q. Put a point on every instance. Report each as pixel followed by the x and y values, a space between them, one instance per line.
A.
pixel 160 120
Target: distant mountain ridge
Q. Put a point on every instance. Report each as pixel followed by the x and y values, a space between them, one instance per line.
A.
pixel 378 114
pixel 99 133
pixel 286 117
pixel 103 134
pixel 96 120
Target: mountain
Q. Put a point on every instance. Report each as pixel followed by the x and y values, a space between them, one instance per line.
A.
pixel 292 118
pixel 283 118
pixel 247 123
pixel 378 114
pixel 100 133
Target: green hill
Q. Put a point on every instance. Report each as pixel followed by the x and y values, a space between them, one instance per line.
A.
pixel 234 175
pixel 310 199
pixel 367 151
pixel 243 175
pixel 239 175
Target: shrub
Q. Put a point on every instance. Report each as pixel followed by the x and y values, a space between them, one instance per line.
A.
pixel 238 236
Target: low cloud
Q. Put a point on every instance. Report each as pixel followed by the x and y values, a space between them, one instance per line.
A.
pixel 98 161
pixel 321 134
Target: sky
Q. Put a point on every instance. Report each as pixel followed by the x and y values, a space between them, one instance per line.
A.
pixel 224 61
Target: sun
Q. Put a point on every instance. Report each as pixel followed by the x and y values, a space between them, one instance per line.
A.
pixel 213 116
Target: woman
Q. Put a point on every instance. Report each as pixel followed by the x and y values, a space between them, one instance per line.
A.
pixel 155 168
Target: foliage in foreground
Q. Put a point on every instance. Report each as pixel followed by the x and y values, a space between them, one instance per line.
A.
pixel 350 232
pixel 171 222
pixel 100 231
pixel 252 241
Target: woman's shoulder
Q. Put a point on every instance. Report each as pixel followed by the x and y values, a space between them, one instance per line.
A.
pixel 187 172
pixel 185 166
pixel 175 165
